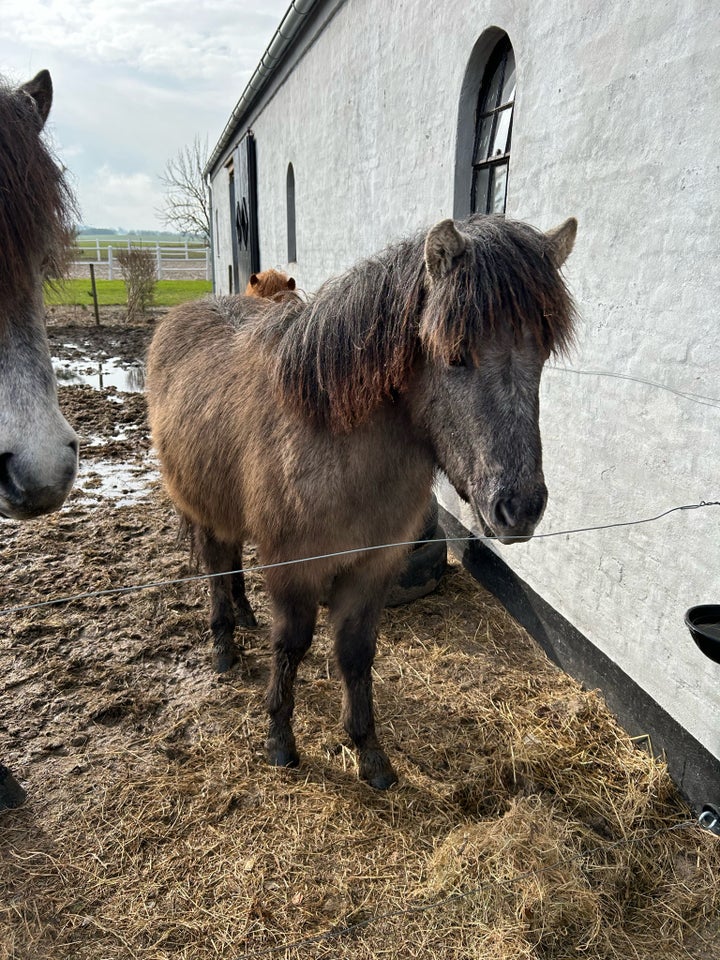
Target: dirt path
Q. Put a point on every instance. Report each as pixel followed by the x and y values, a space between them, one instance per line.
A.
pixel 154 828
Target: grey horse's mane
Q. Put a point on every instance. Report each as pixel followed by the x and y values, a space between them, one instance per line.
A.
pixel 357 342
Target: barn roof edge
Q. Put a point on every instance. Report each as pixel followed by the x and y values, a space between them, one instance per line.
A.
pixel 283 38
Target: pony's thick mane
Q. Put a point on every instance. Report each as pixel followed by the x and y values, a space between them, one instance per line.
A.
pixel 356 343
pixel 37 208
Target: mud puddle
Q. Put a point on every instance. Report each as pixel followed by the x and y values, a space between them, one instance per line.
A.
pixel 122 483
pixel 99 374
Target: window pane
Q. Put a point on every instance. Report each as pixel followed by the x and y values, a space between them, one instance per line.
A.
pixel 499 188
pixel 490 101
pixel 479 199
pixel 508 92
pixel 483 147
pixel 501 142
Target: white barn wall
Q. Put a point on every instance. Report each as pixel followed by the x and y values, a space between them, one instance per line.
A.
pixel 637 161
pixel 368 119
pixel 222 230
pixel 616 122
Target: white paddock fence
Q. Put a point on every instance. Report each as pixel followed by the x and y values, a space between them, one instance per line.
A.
pixel 181 260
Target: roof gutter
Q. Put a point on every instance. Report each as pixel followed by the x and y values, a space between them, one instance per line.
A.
pixel 283 38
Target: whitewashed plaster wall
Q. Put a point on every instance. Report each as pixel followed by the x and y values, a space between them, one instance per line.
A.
pixel 617 123
pixel 222 230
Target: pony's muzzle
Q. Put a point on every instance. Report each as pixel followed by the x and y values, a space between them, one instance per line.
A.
pixel 514 516
pixel 32 487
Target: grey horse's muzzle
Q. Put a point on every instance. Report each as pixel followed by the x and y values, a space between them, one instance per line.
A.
pixel 35 481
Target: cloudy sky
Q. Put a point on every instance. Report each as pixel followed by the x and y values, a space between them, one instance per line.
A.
pixel 134 83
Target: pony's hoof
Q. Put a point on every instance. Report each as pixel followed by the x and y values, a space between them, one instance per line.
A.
pixel 11 793
pixel 223 660
pixel 246 618
pixel 378 771
pixel 283 756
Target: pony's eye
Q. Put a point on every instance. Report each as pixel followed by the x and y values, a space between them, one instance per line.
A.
pixel 458 362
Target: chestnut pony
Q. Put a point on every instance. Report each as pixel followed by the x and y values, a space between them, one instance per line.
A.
pixel 315 428
pixel 269 284
pixel 38 448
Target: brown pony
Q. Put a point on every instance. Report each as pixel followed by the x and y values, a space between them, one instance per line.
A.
pixel 269 284
pixel 38 449
pixel 314 428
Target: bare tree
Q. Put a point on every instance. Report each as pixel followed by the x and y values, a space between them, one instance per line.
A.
pixel 187 207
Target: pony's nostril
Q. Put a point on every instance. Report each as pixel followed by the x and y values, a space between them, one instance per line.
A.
pixel 504 513
pixel 75 446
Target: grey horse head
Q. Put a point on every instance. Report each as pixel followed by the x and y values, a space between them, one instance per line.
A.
pixel 38 448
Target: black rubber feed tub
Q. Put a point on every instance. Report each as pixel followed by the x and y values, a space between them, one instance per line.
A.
pixel 704 625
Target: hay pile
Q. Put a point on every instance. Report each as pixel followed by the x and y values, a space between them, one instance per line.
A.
pixel 526 823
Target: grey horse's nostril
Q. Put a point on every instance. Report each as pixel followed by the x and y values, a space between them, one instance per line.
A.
pixel 5 479
pixel 8 484
pixel 74 446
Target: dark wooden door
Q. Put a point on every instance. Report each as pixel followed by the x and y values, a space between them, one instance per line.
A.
pixel 246 255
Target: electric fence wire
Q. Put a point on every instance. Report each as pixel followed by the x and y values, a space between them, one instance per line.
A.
pixel 685 394
pixel 116 591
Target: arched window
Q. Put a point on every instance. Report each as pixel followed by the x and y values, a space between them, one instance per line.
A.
pixel 291 237
pixel 493 131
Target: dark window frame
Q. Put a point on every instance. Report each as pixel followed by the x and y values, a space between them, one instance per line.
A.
pixel 488 167
pixel 233 268
pixel 291 226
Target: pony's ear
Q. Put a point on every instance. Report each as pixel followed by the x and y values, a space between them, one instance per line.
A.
pixel 41 91
pixel 562 240
pixel 291 283
pixel 254 281
pixel 444 244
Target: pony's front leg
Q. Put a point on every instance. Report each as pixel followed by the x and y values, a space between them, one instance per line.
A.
pixel 291 635
pixel 11 793
pixel 355 617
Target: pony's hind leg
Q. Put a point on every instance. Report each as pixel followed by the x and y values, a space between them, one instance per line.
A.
pixel 291 635
pixel 227 596
pixel 354 617
pixel 245 615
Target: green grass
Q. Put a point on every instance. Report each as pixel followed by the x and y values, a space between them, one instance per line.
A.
pixel 113 292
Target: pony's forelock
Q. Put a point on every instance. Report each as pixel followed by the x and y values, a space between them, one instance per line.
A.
pixel 504 286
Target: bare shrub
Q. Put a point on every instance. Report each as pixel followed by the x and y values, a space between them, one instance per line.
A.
pixel 139 273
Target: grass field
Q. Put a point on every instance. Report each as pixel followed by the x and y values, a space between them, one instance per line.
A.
pixel 113 292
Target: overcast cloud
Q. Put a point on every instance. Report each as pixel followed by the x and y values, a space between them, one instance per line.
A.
pixel 134 83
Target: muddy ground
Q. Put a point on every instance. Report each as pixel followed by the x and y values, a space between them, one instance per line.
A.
pixel 526 823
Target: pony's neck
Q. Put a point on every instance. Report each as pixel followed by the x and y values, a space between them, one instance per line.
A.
pixel 356 344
